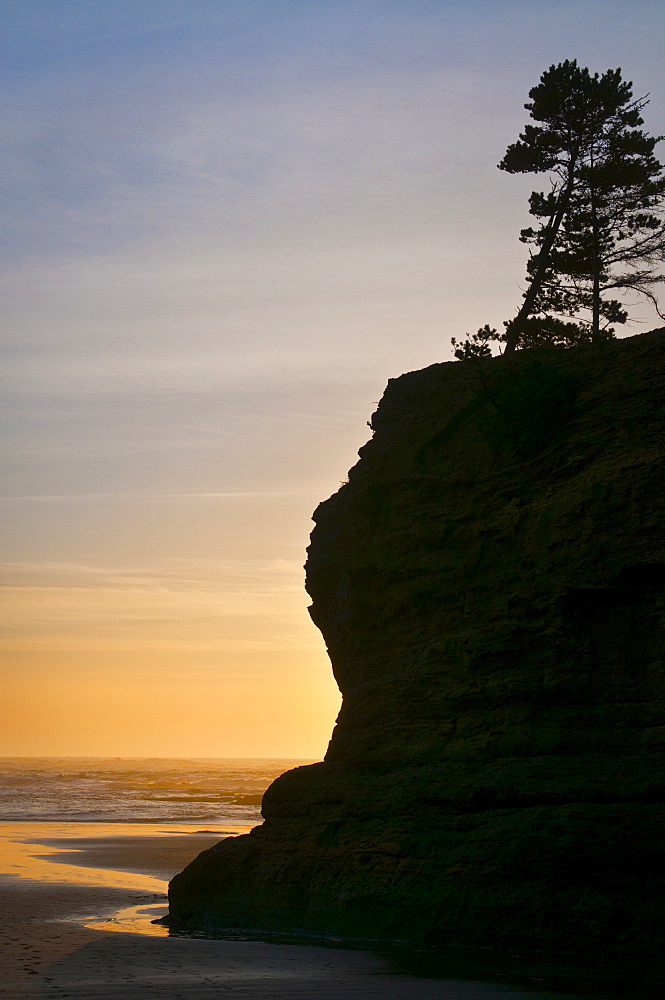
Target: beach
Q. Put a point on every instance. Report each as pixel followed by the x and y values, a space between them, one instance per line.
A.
pixel 76 901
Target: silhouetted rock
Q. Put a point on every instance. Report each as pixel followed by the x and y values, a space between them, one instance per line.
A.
pixel 491 587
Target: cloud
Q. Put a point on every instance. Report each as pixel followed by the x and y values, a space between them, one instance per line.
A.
pixel 136 496
pixel 236 607
pixel 192 570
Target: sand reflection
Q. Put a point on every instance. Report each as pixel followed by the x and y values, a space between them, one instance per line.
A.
pixel 138 857
pixel 133 920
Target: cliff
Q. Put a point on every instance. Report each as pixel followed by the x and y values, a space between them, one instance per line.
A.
pixel 491 587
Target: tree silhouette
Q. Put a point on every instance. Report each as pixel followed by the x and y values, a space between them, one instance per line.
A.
pixel 599 227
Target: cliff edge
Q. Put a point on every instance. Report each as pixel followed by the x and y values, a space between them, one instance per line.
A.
pixel 490 584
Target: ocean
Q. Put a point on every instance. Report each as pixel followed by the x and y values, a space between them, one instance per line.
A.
pixel 137 790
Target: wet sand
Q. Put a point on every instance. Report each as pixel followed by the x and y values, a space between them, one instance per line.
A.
pixel 45 955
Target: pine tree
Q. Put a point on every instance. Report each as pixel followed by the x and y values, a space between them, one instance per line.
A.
pixel 600 227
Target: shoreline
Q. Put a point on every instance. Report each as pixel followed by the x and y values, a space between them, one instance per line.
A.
pixel 59 879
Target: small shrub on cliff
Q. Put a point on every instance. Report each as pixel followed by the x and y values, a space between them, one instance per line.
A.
pixel 477 344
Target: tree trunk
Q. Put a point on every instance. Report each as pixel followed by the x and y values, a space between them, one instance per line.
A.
pixel 595 322
pixel 595 274
pixel 553 226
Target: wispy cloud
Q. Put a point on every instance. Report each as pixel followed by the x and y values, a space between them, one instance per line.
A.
pixel 138 496
pixel 192 604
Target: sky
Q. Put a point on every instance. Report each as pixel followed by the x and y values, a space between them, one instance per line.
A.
pixel 226 224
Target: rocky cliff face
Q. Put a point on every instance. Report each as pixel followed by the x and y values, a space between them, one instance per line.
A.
pixel 491 587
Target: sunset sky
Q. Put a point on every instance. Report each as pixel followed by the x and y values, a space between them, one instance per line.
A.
pixel 226 224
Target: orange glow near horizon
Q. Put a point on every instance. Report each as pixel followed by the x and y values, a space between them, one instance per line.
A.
pixel 177 712
pixel 178 658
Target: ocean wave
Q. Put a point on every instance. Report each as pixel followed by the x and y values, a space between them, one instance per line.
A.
pixel 137 790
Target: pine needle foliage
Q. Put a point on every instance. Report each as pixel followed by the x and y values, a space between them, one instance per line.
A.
pixel 599 227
